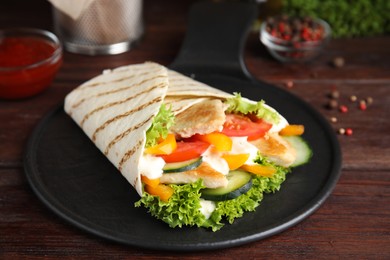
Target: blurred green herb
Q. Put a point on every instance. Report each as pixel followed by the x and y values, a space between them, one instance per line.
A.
pixel 348 18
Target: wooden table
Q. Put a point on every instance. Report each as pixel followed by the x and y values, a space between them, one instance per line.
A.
pixel 353 223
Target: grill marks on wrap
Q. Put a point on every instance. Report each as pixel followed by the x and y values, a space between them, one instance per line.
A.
pixel 77 104
pixel 128 113
pixel 136 86
pixel 120 79
pixel 109 105
pixel 125 133
pixel 129 153
pixel 119 137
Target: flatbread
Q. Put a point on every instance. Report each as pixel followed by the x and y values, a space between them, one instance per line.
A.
pixel 116 109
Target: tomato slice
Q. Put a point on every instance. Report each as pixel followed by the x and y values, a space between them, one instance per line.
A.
pixel 186 151
pixel 238 125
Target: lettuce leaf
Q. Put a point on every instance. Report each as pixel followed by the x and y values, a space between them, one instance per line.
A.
pixel 238 104
pixel 160 126
pixel 183 208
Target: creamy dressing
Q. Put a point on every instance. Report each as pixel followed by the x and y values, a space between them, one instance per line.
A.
pixel 214 159
pixel 151 166
pixel 241 145
pixel 206 207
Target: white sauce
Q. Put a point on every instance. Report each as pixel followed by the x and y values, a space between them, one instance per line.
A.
pixel 214 159
pixel 207 207
pixel 151 166
pixel 241 145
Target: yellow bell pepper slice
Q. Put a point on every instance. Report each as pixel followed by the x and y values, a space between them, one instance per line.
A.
pixel 167 146
pixel 221 142
pixel 235 161
pixel 266 171
pixel 150 182
pixel 161 190
pixel 292 130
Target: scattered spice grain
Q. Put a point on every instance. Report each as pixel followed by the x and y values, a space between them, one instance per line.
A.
pixel 341 131
pixel 343 109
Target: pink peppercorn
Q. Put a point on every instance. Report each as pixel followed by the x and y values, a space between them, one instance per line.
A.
pixel 343 109
pixel 362 105
pixel 348 131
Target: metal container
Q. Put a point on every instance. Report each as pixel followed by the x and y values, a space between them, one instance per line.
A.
pixel 105 27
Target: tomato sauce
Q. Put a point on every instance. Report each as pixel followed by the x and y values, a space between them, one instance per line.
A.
pixel 17 51
pixel 26 66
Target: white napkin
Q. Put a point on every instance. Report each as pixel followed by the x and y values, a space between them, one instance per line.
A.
pixel 73 8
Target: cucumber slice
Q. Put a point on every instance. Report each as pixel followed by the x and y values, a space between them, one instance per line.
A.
pixel 182 166
pixel 239 182
pixel 303 149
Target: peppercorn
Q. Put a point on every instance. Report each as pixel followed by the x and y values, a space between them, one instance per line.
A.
pixel 289 84
pixel 369 100
pixel 332 104
pixel 341 131
pixel 343 109
pixel 348 131
pixel 362 105
pixel 338 62
pixel 333 119
pixel 353 98
pixel 334 94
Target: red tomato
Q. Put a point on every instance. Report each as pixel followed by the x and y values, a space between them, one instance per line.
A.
pixel 237 125
pixel 186 151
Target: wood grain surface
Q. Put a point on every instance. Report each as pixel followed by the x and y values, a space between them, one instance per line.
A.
pixel 354 222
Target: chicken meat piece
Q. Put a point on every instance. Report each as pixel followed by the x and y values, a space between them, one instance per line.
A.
pixel 202 118
pixel 211 178
pixel 276 149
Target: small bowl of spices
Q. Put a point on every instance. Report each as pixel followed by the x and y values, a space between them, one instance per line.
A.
pixel 29 61
pixel 294 39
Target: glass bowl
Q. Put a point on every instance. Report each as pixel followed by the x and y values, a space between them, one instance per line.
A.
pixel 301 45
pixel 29 61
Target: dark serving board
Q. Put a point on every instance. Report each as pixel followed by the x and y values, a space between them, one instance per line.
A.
pixel 70 175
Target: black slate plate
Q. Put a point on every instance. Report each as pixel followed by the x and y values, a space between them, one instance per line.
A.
pixel 70 175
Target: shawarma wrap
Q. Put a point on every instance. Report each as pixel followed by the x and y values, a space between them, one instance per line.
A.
pixel 196 155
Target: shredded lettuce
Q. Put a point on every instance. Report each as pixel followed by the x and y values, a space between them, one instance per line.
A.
pixel 238 104
pixel 160 126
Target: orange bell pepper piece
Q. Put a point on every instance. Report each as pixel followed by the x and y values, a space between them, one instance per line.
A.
pixel 221 142
pixel 161 190
pixel 150 182
pixel 235 161
pixel 266 171
pixel 292 130
pixel 167 146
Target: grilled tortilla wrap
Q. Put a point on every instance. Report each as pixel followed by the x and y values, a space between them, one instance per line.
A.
pixel 116 108
pixel 118 111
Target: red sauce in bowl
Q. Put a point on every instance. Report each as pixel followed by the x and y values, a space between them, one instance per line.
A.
pixel 28 64
pixel 17 51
